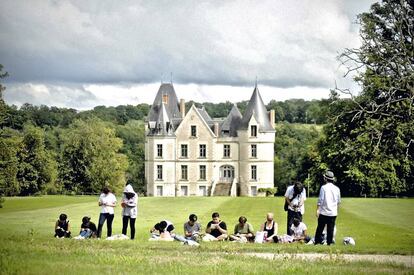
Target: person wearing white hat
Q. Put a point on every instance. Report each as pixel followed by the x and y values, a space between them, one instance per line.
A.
pixel 327 209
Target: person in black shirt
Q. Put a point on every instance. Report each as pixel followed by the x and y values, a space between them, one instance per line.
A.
pixel 216 229
pixel 62 227
pixel 88 229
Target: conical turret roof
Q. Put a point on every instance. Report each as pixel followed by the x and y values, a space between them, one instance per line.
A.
pixel 163 124
pixel 232 122
pixel 165 92
pixel 257 109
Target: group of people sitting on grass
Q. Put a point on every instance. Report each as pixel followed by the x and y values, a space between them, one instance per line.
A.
pixel 216 230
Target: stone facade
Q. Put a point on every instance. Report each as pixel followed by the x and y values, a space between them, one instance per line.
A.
pixel 191 154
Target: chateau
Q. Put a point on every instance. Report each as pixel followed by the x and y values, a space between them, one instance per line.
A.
pixel 191 154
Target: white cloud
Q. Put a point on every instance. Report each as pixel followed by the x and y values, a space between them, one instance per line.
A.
pixel 86 53
pixel 89 96
pixel 285 43
pixel 50 95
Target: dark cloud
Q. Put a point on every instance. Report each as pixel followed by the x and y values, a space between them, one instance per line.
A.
pixel 286 44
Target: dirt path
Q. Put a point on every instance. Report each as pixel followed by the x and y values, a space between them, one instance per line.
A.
pixel 398 259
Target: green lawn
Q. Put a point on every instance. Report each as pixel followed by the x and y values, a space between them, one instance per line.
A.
pixel 379 226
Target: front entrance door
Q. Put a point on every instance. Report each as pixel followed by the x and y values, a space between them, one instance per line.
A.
pixel 226 173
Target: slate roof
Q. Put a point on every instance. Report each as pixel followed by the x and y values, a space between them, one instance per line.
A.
pixel 172 104
pixel 232 122
pixel 205 115
pixel 164 122
pixel 257 109
pixel 163 118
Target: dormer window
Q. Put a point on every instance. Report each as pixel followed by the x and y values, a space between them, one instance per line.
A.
pixel 253 130
pixel 169 127
pixel 165 99
pixel 193 130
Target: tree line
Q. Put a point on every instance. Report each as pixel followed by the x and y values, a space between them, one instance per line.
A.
pixel 291 110
pixel 367 140
pixel 61 150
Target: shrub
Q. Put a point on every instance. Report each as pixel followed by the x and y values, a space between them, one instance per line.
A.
pixel 269 191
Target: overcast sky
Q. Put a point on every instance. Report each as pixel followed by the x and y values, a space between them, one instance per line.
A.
pixel 81 54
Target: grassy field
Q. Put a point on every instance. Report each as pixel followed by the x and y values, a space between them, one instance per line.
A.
pixel 379 226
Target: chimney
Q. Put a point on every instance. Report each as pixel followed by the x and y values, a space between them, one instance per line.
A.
pixel 216 128
pixel 182 108
pixel 272 118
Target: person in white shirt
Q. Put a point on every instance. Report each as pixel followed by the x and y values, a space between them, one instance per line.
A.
pixel 107 201
pixel 327 210
pixel 129 210
pixel 295 197
pixel 299 230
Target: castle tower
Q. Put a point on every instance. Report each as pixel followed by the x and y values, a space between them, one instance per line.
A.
pixel 160 156
pixel 256 138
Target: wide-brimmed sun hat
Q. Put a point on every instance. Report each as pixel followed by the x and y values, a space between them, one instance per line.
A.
pixel 329 175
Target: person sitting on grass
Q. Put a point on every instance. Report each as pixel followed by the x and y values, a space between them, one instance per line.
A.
pixel 243 231
pixel 62 227
pixel 270 227
pixel 216 229
pixel 192 232
pixel 162 231
pixel 88 229
pixel 299 229
pixel 283 239
pixel 192 229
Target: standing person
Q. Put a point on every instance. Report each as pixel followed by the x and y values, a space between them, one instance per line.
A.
pixel 107 201
pixel 62 227
pixel 295 197
pixel 216 229
pixel 327 210
pixel 129 210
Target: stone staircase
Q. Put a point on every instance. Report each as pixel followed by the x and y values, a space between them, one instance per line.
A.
pixel 222 189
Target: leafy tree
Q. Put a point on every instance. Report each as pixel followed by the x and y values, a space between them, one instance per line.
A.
pixel 3 117
pixel 292 144
pixel 133 136
pixel 37 169
pixel 10 143
pixel 91 158
pixel 369 139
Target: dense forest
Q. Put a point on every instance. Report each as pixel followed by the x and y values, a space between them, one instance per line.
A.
pixel 66 140
pixel 367 140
